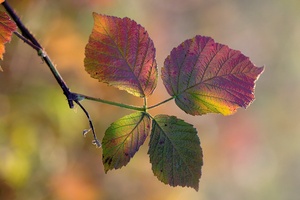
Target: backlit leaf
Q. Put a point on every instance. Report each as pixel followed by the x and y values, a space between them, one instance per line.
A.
pixel 175 152
pixel 123 139
pixel 7 27
pixel 208 77
pixel 121 53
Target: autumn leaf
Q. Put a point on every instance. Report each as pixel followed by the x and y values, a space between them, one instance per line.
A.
pixel 208 77
pixel 121 53
pixel 175 152
pixel 123 139
pixel 7 27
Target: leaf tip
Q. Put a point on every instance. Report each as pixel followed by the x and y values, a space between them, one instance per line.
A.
pixel 260 70
pixel 94 14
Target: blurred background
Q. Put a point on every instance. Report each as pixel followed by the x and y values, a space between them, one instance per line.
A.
pixel 253 154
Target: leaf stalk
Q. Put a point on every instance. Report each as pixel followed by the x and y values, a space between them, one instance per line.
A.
pixel 165 101
pixel 82 96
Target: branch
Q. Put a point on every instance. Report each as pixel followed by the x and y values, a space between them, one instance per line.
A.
pixel 21 26
pixel 36 45
pixel 29 39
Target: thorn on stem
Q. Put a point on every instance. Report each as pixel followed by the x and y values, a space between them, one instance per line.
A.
pixel 85 131
pixel 97 143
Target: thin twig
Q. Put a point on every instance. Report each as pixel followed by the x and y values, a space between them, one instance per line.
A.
pixel 96 141
pixel 27 41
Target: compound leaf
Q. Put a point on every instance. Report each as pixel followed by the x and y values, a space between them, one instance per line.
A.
pixel 208 77
pixel 123 139
pixel 121 53
pixel 7 27
pixel 175 152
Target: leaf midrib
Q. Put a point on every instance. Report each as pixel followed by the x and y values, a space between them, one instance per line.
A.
pixel 174 148
pixel 122 53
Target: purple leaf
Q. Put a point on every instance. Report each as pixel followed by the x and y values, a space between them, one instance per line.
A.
pixel 121 53
pixel 208 77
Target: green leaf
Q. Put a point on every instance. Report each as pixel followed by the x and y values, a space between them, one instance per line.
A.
pixel 208 77
pixel 175 152
pixel 123 139
pixel 7 27
pixel 121 53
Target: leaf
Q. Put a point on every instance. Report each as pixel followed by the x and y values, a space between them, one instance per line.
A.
pixel 175 152
pixel 7 27
pixel 208 77
pixel 123 139
pixel 121 53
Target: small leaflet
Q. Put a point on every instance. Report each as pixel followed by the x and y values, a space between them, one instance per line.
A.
pixel 123 139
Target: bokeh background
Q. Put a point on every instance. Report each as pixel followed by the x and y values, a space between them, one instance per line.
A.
pixel 253 154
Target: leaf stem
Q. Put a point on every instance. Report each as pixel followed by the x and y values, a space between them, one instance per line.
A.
pixel 145 104
pixel 82 96
pixel 165 101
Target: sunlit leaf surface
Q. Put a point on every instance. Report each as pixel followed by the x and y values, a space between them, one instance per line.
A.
pixel 123 139
pixel 121 53
pixel 7 27
pixel 175 152
pixel 208 77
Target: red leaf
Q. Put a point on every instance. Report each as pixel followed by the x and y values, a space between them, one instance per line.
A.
pixel 121 53
pixel 7 27
pixel 208 77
